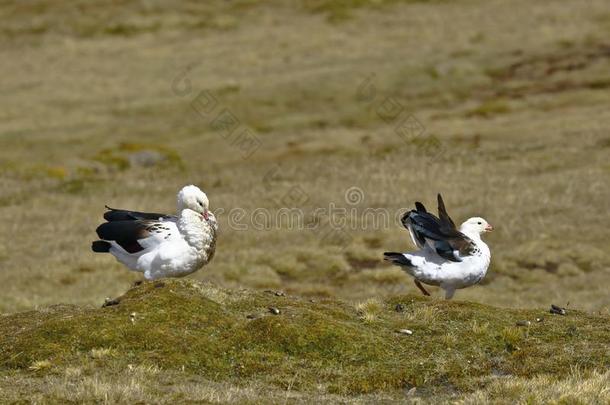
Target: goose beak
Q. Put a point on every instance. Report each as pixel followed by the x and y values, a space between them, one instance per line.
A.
pixel 489 228
pixel 205 215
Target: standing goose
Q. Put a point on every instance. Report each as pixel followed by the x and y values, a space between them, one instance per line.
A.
pixel 161 245
pixel 448 257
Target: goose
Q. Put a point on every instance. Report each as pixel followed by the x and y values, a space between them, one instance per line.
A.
pixel 448 257
pixel 160 245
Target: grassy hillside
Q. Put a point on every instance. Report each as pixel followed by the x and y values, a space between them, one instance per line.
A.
pixel 188 333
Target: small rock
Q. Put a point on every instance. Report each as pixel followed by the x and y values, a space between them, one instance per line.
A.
pixel 146 158
pixel 540 319
pixel 399 308
pixel 108 302
pixel 312 301
pixel 137 283
pixel 274 310
pixel 132 316
pixel 251 316
pixel 405 331
pixel 159 284
pixel 276 293
pixel 557 310
pixel 523 323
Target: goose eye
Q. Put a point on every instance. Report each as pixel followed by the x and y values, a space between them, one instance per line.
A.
pixel 479 223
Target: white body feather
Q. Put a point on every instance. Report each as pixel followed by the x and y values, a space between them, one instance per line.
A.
pixel 186 243
pixel 429 268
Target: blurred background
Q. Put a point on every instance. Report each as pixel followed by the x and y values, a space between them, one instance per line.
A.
pixel 502 106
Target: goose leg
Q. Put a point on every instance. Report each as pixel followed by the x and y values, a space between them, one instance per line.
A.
pixel 421 287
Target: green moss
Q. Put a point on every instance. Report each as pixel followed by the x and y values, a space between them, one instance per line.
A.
pixel 338 10
pixel 231 335
pixel 109 158
pixel 489 108
pixel 128 154
pixel 57 172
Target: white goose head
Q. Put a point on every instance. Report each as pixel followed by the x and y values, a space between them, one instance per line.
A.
pixel 475 226
pixel 191 197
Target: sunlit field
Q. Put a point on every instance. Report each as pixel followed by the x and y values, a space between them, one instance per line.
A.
pixel 311 126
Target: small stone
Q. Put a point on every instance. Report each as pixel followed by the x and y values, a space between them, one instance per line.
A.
pixel 159 284
pixel 108 302
pixel 276 293
pixel 540 319
pixel 274 310
pixel 146 158
pixel 399 308
pixel 405 331
pixel 132 316
pixel 523 323
pixel 251 316
pixel 557 310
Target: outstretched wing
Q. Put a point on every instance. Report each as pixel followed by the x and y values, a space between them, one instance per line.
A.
pixel 421 225
pixel 442 213
pixel 437 234
pixel 460 244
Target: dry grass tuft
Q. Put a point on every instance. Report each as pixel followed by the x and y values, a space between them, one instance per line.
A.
pixel 424 314
pixel 144 370
pixel 478 327
pixel 40 365
pixel 512 338
pixel 449 339
pixel 102 352
pixel 577 388
pixel 369 310
pixel 73 372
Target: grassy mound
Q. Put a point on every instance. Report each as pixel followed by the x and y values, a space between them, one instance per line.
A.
pixel 323 346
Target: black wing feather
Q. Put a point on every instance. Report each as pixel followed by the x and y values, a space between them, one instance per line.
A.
pixel 442 213
pixel 443 234
pixel 446 250
pixel 114 214
pixel 125 233
pixel 420 207
pixel 425 225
